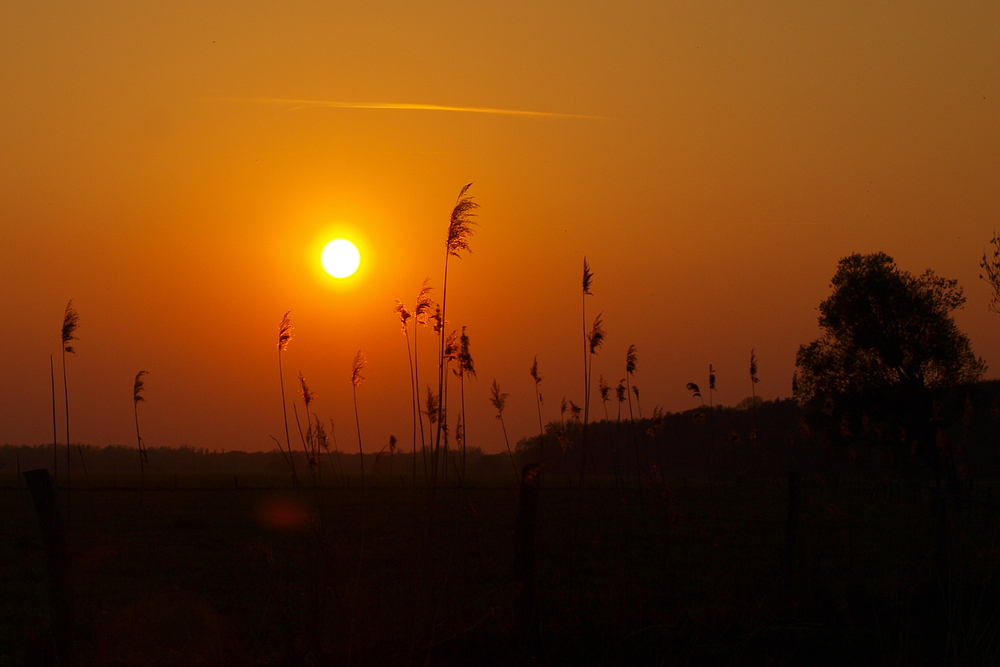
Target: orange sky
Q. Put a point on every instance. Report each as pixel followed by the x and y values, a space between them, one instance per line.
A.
pixel 713 160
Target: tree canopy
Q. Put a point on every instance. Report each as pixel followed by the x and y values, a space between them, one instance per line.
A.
pixel 886 328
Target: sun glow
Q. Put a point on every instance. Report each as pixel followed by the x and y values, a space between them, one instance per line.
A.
pixel 340 258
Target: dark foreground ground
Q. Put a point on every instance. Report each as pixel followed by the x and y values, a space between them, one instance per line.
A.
pixel 707 572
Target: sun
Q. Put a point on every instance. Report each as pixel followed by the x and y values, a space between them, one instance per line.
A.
pixel 340 258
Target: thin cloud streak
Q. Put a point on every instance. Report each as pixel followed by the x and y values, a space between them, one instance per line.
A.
pixel 298 104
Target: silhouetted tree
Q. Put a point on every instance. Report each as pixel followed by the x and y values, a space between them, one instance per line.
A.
pixel 885 328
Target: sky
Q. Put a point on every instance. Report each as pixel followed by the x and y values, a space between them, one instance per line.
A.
pixel 175 168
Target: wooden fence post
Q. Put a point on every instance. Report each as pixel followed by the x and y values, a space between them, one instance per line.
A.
pixel 43 493
pixel 794 512
pixel 525 617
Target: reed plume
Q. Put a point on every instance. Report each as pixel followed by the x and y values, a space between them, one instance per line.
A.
pixel 695 391
pixel 137 389
pixel 605 390
pixel 284 336
pixel 431 407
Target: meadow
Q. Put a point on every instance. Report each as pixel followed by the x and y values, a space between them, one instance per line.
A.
pixel 702 568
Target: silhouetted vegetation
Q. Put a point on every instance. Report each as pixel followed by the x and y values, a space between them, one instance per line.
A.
pixel 885 328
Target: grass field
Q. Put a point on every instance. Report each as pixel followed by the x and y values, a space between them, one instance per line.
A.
pixel 220 571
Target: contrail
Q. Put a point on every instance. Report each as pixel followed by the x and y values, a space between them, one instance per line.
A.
pixel 415 107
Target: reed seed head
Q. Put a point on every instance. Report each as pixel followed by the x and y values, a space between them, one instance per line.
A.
pixel 431 406
pixel 603 387
pixel 70 322
pixel 307 395
pixel 424 303
pixel 460 226
pixel 404 315
pixel 630 360
pixel 139 387
pixel 451 347
pixel 498 398
pixel 534 372
pixel 465 363
pixel 753 367
pixel 356 368
pixel 711 378
pixel 284 332
pixel 588 276
pixel 597 334
pixel 694 389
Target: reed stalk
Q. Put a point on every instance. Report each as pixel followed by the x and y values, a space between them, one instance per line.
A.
pixel 499 401
pixel 284 336
pixel 460 230
pixel 137 388
pixel 466 366
pixel 594 340
pixel 70 323
pixel 356 380
pixel 753 395
pixel 404 318
pixel 309 443
pixel 537 377
pixel 422 309
pixel 55 437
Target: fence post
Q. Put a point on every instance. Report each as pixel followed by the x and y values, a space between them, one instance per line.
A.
pixel 525 617
pixel 43 493
pixel 794 512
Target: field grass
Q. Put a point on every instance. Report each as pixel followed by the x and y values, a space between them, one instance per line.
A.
pixel 212 573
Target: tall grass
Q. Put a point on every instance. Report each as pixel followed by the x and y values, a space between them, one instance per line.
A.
pixel 711 384
pixel 466 366
pixel 309 443
pixel 70 322
pixel 588 278
pixel 753 394
pixel 594 340
pixel 356 380
pixel 499 401
pixel 404 323
pixel 284 336
pixel 137 388
pixel 55 437
pixel 460 230
pixel 537 377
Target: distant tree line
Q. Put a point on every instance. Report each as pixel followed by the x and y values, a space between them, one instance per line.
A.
pixel 119 459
